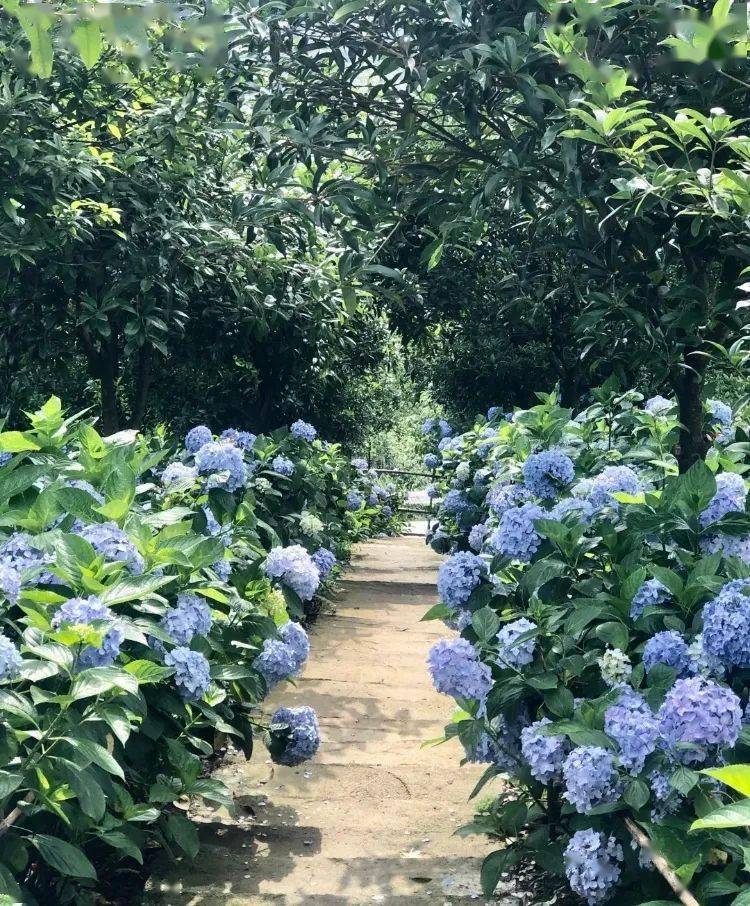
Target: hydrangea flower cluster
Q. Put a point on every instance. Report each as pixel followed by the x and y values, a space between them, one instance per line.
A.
pixel 729 498
pixel 651 593
pixel 615 667
pixel 294 735
pixel 325 560
pixel 215 457
pixel 667 648
pixel 354 501
pixel 295 568
pixel 111 542
pixel 178 472
pixel 242 439
pixel 310 525
pixel 545 474
pixel 634 728
pixel 477 535
pixel 81 485
pixel 544 754
pixel 84 612
pixel 20 554
pixel 503 497
pixel 10 582
pixel 282 465
pixel 697 714
pixel 456 670
pixel 192 673
pixel 612 480
pixel 494 412
pixel 592 865
pixel 432 461
pixel 511 652
pixel 197 437
pixel 437 424
pixel 726 627
pixel 455 504
pixel 721 414
pixel 658 405
pixel 727 545
pixel 577 506
pixel 458 576
pixel 191 616
pixel 303 430
pixel 361 465
pixel 590 778
pixel 516 537
pixel 10 658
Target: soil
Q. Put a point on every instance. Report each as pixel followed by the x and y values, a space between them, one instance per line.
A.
pixel 371 819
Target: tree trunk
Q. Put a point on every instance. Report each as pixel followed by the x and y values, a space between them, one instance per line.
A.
pixel 693 443
pixel 110 407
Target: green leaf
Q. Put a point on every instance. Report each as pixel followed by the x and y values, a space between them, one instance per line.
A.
pixel 437 612
pixel 98 754
pixel 87 39
pixel 347 9
pixel 184 834
pixel 147 671
pixel 485 623
pixel 560 701
pixel 15 441
pixel 455 13
pixel 65 858
pixel 495 865
pixel 736 776
pixel 96 680
pixel 683 780
pixel 636 794
pixel 736 814
pixel 90 795
pixel 614 634
pixel 121 841
pixel 8 783
pixel 36 22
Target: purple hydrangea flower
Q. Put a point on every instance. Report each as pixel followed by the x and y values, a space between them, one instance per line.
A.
pixel 10 658
pixel 698 714
pixel 10 582
pixel 729 498
pixel 503 497
pixel 458 576
pixel 633 726
pixel 361 465
pixel 590 778
pixel 218 456
pixel 110 542
pixel 592 865
pixel 513 653
pixel 84 612
pixel 658 405
pixel 295 637
pixel 516 537
pixel 726 627
pixel 191 616
pixel 651 593
pixel 576 506
pixel 303 430
pixel 612 480
pixel 197 437
pixel 432 461
pixel 477 535
pixel 294 735
pixel 727 545
pixel 456 670
pixel 494 412
pixel 354 501
pixel 295 568
pixel 192 674
pixel 668 648
pixel 178 472
pixel 544 754
pixel 242 439
pixel 325 560
pixel 547 473
pixel 282 465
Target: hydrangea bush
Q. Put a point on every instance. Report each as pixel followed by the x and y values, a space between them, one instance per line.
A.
pixel 145 617
pixel 602 664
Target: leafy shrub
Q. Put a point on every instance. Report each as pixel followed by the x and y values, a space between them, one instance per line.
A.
pixel 603 603
pixel 143 622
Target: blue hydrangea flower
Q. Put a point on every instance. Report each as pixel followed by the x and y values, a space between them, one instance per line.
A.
pixel 10 658
pixel 667 797
pixel 729 498
pixel 242 439
pixel 192 674
pixel 110 542
pixel 458 576
pixel 494 412
pixel 429 425
pixel 297 640
pixel 651 593
pixel 433 491
pixel 513 653
pixel 590 778
pixel 455 504
pixel 477 535
pixel 276 662
pixel 633 726
pixel 516 537
pixel 658 405
pixel 547 473
pixel 721 414
pixel 197 437
pixel 728 545
pixel 178 472
pixel 295 568
pixel 458 619
pixel 483 752
pixel 294 735
pixel 223 569
pixel 592 865
pixel 668 648
pixel 726 627
pixel 576 506
pixel 217 456
pixel 191 616
pixel 545 754
pixel 19 553
pixel 5 458
pixel 10 582
pixel 353 501
pixel 386 512
pixel 456 670
pixel 325 560
pixel 432 461
pixel 282 465
pixel 85 612
pixel 503 497
pixel 700 714
pixel 361 465
pixel 81 485
pixel 303 430
pixel 612 480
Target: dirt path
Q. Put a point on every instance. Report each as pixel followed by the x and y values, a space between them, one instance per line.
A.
pixel 371 819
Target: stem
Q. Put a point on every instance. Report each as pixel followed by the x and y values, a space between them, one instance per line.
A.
pixel 661 865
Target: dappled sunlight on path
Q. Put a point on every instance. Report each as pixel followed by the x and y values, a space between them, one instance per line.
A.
pixel 371 819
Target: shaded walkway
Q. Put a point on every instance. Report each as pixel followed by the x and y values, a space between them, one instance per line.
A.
pixel 371 819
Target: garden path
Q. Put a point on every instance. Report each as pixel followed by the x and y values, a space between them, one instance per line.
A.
pixel 371 819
